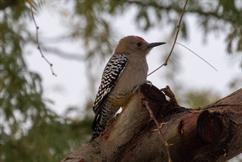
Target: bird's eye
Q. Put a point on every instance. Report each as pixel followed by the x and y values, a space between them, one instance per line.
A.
pixel 139 44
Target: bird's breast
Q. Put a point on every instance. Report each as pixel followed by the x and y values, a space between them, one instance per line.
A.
pixel 134 74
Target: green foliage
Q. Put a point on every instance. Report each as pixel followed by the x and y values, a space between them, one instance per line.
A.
pixel 213 16
pixel 199 98
pixel 29 130
pixel 45 141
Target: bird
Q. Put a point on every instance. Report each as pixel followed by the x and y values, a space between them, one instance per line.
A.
pixel 126 70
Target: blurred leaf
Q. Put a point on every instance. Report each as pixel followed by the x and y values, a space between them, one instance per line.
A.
pixel 199 98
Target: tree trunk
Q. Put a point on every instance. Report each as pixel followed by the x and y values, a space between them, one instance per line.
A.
pixel 154 128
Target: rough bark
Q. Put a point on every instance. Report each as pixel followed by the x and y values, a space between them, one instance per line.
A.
pixel 212 133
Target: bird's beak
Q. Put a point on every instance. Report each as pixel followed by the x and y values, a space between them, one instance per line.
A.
pixel 151 45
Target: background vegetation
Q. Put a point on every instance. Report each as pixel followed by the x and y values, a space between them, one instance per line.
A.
pixel 29 129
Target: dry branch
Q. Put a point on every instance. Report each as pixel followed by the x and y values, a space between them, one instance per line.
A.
pixel 175 39
pixel 38 44
pixel 212 133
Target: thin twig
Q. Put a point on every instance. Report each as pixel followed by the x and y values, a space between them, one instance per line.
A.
pixel 38 44
pixel 213 67
pixel 152 116
pixel 175 39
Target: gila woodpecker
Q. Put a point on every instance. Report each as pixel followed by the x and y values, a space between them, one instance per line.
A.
pixel 125 70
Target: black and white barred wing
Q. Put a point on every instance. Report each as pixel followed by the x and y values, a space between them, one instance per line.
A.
pixel 112 72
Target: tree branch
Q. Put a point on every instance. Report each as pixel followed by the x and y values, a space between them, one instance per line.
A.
pixel 175 39
pixel 177 9
pixel 210 134
pixel 38 44
pixel 63 54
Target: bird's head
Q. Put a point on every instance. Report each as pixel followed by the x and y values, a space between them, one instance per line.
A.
pixel 135 45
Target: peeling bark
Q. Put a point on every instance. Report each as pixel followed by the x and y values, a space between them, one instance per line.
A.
pixel 212 133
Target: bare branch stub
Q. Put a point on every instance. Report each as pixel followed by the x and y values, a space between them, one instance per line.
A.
pixel 157 99
pixel 168 92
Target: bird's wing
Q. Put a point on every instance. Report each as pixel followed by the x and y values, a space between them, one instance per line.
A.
pixel 111 73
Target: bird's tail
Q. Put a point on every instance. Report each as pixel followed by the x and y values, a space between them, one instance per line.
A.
pixel 101 119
